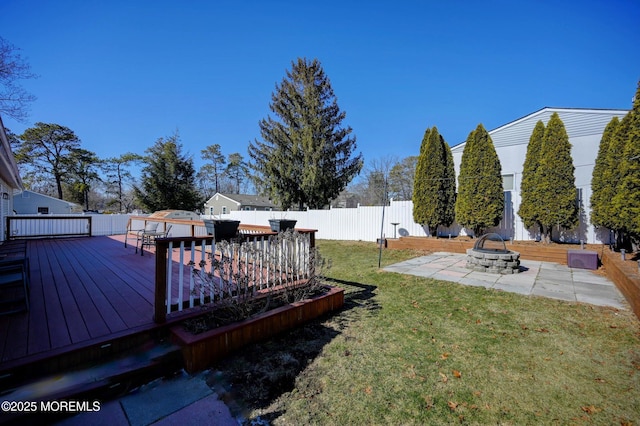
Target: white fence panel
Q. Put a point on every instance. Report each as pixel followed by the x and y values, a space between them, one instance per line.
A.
pixel 361 223
pixel 109 224
pixel 49 225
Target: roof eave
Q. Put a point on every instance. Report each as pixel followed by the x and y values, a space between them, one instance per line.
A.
pixel 9 172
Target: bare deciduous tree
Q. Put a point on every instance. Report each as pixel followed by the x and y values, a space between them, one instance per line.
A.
pixel 14 99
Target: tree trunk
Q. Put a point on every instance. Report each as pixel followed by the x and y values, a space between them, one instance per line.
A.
pixel 623 241
pixel 540 230
pixel 59 185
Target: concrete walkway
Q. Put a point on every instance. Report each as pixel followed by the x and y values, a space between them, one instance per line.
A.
pixel 535 278
pixel 182 400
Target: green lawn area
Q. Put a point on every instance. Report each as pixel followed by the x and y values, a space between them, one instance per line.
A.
pixel 410 350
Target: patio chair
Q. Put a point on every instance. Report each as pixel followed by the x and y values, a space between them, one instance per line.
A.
pixel 14 282
pixel 141 234
pixel 136 232
pixel 148 238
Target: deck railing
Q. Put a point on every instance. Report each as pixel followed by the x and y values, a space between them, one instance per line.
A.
pixel 197 271
pixel 38 226
pixel 190 228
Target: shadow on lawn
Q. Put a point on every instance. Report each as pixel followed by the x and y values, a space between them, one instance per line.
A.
pixel 255 377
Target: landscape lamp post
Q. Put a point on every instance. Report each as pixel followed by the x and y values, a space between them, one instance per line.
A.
pixel 394 228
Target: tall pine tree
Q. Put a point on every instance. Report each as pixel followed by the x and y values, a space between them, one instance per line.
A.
pixel 480 201
pixel 44 149
pixel 434 188
pixel 168 178
pixel 529 204
pixel 83 166
pixel 213 169
pixel 555 179
pixel 306 156
pixel 603 188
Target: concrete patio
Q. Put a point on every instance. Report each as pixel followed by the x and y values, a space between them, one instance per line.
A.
pixel 536 278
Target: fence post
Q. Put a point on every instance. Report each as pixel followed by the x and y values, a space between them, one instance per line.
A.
pixel 160 307
pixel 312 254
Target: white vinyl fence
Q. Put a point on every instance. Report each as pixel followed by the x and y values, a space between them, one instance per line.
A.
pixel 355 224
pixel 361 223
pixel 364 223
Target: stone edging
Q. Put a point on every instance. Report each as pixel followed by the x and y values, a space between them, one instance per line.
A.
pixel 493 263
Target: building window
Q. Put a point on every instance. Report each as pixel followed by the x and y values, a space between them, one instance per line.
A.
pixel 579 198
pixel 211 211
pixel 507 182
pixel 43 210
pixel 224 209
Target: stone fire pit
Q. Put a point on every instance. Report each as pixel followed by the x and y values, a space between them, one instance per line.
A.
pixel 490 254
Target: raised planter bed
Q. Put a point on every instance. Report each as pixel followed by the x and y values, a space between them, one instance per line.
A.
pixel 222 229
pixel 200 351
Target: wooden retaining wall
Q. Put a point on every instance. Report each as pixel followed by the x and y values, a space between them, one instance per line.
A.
pixel 626 276
pixel 532 251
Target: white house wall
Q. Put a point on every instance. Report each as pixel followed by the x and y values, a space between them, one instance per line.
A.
pixel 6 207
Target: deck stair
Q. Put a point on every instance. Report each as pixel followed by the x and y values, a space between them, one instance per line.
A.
pixel 109 378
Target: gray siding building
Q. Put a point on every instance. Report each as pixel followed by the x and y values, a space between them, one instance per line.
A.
pixel 29 202
pixel 585 128
pixel 225 203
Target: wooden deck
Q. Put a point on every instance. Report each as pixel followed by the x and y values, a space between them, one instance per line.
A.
pixel 84 292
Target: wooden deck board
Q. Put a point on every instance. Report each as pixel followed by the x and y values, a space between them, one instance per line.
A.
pixel 131 307
pixel 63 280
pixel 81 289
pixel 88 296
pixel 39 339
pixel 128 267
pixel 58 335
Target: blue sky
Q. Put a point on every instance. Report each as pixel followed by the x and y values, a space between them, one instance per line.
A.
pixel 121 74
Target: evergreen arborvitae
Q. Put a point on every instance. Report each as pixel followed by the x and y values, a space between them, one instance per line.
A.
pixel 305 158
pixel 616 159
pixel 168 178
pixel 603 188
pixel 434 187
pixel 529 204
pixel 555 179
pixel 480 201
pixel 627 200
